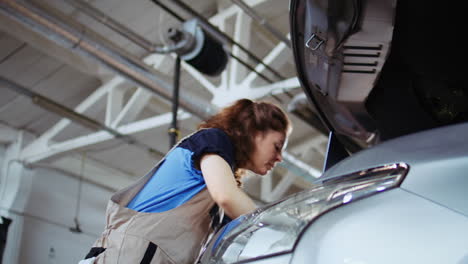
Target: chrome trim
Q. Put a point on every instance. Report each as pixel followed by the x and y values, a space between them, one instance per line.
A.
pixel 389 169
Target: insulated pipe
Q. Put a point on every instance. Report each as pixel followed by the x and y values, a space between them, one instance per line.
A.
pixel 217 34
pixel 137 39
pixel 117 60
pixel 97 15
pixel 262 21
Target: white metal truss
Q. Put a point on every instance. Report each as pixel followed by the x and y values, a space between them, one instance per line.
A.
pixel 14 192
pixel 236 82
pixel 117 114
pixel 11 172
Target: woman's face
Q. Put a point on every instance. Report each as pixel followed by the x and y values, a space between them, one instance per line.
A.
pixel 267 151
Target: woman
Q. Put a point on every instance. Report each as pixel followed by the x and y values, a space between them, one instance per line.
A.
pixel 165 216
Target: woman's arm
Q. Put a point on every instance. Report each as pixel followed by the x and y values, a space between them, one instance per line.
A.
pixel 223 187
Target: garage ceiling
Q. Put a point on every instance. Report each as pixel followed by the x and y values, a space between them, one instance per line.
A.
pixel 117 124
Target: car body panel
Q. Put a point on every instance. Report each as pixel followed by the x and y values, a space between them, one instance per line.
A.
pixel 438 168
pixel 436 144
pixel 424 220
pixel 280 259
pixel 392 227
pixel 410 109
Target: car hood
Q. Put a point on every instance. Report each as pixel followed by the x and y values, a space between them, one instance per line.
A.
pixel 369 67
pixel 435 166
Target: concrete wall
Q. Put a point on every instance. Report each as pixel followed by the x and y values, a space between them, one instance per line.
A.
pixel 44 213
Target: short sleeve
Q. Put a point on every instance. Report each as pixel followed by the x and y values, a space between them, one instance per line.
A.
pixel 211 140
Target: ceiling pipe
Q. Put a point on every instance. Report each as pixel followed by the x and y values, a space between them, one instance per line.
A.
pixel 120 62
pixel 104 19
pixel 57 108
pixel 262 21
pixel 149 46
pixel 99 16
pixel 115 59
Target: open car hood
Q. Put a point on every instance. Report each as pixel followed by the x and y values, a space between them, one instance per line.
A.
pixel 370 70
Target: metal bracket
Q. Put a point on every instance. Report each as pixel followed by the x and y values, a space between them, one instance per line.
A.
pixel 314 42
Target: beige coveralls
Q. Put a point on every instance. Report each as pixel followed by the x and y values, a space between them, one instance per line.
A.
pixel 172 237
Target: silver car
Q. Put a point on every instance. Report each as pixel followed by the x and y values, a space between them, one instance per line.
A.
pixel 391 91
pixel 403 201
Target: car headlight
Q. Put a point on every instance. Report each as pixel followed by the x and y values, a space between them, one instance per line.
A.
pixel 275 228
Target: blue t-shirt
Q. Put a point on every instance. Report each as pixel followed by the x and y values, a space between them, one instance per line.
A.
pixel 177 180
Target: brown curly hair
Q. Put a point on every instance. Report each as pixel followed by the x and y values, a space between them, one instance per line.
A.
pixel 242 121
